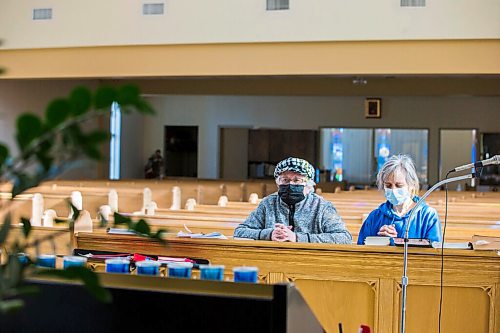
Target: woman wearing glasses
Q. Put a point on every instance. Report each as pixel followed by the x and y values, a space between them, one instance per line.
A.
pixel 294 213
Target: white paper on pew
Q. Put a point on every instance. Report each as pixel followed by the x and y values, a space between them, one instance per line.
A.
pixel 451 245
pixel 173 259
pixel 213 235
pixel 216 235
pixel 119 231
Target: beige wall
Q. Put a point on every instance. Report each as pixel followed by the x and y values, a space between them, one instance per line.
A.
pixel 120 22
pixel 449 57
pixel 17 97
pixel 302 112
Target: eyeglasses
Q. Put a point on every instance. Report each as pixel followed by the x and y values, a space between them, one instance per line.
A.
pixel 293 181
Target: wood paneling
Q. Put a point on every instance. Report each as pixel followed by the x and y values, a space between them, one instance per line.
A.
pixel 274 145
pixel 258 145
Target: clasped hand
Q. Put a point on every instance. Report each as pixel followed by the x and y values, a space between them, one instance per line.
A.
pixel 283 233
pixel 388 230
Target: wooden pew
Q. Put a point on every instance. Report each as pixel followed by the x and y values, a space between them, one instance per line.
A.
pixel 352 284
pixel 458 230
pixel 467 215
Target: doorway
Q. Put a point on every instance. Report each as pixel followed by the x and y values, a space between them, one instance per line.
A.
pixel 490 175
pixel 181 151
pixel 233 152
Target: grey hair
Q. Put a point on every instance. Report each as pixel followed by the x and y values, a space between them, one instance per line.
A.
pixel 401 163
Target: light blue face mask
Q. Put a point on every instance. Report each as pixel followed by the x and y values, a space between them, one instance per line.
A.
pixel 397 196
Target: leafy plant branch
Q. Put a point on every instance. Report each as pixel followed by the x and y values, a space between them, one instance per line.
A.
pixel 47 145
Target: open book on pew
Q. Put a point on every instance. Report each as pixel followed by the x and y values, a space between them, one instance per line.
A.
pixel 190 234
pixel 121 231
pixel 485 242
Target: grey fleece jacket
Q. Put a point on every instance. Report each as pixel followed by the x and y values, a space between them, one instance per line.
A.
pixel 315 221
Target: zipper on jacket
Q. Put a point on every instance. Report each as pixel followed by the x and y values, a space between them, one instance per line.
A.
pixel 291 213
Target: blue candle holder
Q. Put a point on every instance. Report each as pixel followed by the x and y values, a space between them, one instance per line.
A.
pixel 117 265
pixel 69 261
pixel 46 260
pixel 23 258
pixel 180 269
pixel 245 274
pixel 148 267
pixel 212 272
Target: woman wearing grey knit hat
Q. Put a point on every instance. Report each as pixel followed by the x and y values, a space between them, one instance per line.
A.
pixel 294 213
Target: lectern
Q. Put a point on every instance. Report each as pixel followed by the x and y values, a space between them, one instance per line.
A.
pixel 157 304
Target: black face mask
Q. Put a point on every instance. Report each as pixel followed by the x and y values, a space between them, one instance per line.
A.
pixel 291 194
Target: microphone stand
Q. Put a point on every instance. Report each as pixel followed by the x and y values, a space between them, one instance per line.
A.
pixel 404 279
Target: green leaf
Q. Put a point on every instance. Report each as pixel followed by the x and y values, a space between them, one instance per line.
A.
pixel 57 112
pixel 45 160
pixel 26 226
pixel 144 107
pixel 29 127
pixel 45 146
pixel 103 222
pixel 120 219
pixel 159 236
pixel 80 100
pixel 4 153
pixel 73 137
pixel 10 305
pixel 92 152
pixel 97 136
pixel 74 210
pixel 4 230
pixel 142 227
pixel 159 233
pixel 89 279
pixel 14 276
pixel 24 181
pixel 104 97
pixel 128 95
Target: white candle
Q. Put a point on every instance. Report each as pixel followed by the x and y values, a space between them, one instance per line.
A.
pixel 151 208
pixel 113 200
pixel 105 211
pixel 48 217
pixel 190 204
pixel 37 209
pixel 77 200
pixel 146 198
pixel 84 222
pixel 254 198
pixel 222 201
pixel 176 198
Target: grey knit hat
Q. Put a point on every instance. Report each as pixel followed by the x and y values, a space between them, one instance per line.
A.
pixel 295 164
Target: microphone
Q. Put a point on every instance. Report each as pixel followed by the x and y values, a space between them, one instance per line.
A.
pixel 495 160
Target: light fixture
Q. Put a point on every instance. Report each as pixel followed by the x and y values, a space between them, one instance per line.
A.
pixel 358 80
